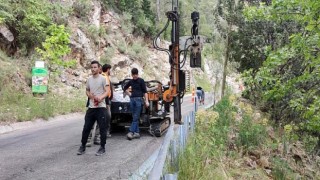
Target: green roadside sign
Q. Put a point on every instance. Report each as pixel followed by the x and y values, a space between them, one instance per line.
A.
pixel 40 80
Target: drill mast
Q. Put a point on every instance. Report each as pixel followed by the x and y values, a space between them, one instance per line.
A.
pixel 177 77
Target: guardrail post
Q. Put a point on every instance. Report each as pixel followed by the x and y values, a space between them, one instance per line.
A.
pixel 192 121
pixel 195 104
pixel 174 159
pixel 186 127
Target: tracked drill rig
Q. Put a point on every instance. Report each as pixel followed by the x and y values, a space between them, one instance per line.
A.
pixel 192 44
pixel 161 97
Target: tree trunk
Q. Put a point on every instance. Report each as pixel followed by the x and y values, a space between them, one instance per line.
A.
pixel 215 89
pixel 225 63
pixel 317 148
pixel 158 10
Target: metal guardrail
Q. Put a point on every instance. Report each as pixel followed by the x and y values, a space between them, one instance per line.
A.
pixel 175 140
pixel 177 146
pixel 178 142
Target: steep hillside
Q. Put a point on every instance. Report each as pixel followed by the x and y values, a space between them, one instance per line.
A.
pixel 95 30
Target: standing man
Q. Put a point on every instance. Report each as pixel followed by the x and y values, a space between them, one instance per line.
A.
pixel 106 70
pixel 199 94
pixel 97 91
pixel 139 90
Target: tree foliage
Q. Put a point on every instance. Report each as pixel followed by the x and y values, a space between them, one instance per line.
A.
pixel 56 46
pixel 143 17
pixel 287 83
pixel 28 22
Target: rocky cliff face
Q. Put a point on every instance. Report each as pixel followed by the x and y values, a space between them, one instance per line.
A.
pixel 116 46
pixel 154 65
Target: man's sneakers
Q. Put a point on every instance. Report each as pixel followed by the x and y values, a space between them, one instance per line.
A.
pixel 101 151
pixel 81 150
pixel 132 135
pixel 136 136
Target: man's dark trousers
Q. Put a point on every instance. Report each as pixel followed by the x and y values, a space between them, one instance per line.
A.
pixel 91 116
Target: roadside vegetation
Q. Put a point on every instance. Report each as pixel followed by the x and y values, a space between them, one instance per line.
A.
pixel 272 131
pixel 235 140
pixel 19 104
pixel 285 82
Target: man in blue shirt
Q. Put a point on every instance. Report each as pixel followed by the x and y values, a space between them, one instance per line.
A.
pixel 139 90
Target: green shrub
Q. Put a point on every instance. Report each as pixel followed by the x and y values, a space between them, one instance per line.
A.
pixel 82 8
pixel 281 169
pixel 93 32
pixel 109 4
pixel 60 13
pixel 102 32
pixel 138 51
pixel 224 108
pixel 282 76
pixel 143 17
pixel 56 46
pixel 250 134
pixel 5 70
pixel 126 24
pixel 208 144
pixel 121 45
pixel 108 54
pixel 30 21
pixel 310 143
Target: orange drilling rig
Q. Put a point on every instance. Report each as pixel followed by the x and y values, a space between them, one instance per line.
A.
pixel 160 96
pixel 193 44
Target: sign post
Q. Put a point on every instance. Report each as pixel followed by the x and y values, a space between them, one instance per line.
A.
pixel 39 79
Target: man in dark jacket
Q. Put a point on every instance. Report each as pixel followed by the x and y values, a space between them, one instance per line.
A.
pixel 139 91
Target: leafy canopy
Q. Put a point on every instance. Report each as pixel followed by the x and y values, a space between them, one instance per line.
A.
pixel 288 82
pixel 56 46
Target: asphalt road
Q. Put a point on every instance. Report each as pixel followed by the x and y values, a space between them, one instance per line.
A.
pixel 49 151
